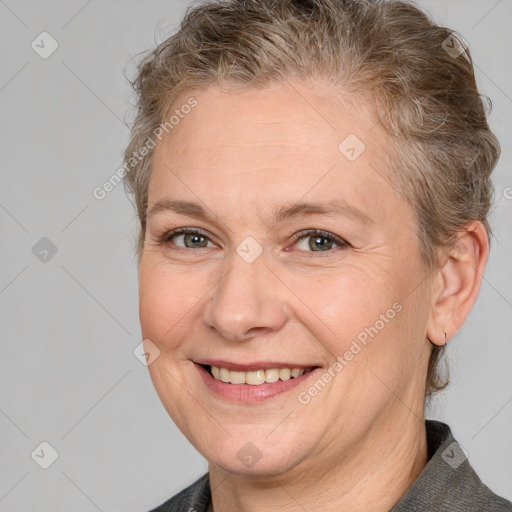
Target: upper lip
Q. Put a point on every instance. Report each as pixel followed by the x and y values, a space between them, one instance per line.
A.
pixel 258 365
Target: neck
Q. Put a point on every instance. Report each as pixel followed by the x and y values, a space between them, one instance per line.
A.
pixel 370 477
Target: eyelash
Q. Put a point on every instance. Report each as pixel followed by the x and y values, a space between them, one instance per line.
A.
pixel 308 233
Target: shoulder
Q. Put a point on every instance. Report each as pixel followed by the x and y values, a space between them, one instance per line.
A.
pixel 448 483
pixel 195 498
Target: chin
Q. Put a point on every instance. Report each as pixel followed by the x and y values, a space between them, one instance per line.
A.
pixel 255 455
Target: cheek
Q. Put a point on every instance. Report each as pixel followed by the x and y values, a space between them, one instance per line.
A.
pixel 342 306
pixel 168 298
pixel 367 319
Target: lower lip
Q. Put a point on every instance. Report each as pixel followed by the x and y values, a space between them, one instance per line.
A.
pixel 246 392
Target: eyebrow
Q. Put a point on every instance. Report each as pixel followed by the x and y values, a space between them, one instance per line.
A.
pixel 286 212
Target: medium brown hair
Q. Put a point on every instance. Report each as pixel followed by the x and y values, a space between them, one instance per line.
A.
pixel 388 52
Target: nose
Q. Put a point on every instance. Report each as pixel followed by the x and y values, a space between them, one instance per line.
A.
pixel 247 301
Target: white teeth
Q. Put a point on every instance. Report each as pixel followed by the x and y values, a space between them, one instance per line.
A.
pixel 297 372
pixel 237 377
pixel 271 375
pixel 285 374
pixel 257 377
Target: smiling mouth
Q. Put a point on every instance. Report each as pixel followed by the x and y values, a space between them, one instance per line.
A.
pixel 256 377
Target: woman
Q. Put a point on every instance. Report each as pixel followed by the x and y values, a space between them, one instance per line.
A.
pixel 312 180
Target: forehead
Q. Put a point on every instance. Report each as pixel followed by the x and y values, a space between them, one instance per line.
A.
pixel 284 141
pixel 297 113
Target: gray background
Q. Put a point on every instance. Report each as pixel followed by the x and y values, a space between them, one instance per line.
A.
pixel 69 325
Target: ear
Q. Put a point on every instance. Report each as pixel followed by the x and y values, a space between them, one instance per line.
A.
pixel 457 283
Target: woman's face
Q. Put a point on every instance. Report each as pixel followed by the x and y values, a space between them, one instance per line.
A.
pixel 255 287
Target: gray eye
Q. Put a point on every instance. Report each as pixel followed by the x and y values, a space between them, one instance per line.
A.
pixel 316 243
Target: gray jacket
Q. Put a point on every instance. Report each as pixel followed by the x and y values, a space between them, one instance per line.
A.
pixel 447 484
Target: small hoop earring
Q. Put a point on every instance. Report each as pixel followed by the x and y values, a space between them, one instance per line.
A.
pixel 444 338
